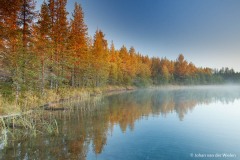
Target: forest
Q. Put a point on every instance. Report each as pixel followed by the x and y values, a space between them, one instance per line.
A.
pixel 46 50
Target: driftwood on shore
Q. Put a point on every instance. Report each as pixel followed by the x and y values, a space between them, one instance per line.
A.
pixel 16 114
pixel 55 109
pixel 49 107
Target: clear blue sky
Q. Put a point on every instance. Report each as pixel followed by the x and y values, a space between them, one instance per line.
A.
pixel 207 32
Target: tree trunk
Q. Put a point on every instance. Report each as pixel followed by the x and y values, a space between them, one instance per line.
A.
pixel 73 77
pixel 42 85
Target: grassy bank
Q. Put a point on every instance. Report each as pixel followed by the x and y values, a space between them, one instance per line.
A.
pixel 30 115
pixel 31 100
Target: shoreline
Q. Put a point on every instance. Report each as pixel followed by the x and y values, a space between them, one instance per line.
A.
pixel 24 118
pixel 43 120
pixel 81 94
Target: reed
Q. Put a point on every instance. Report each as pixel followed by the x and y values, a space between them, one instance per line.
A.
pixel 28 125
pixel 25 118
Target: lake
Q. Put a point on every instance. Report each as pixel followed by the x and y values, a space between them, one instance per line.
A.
pixel 147 124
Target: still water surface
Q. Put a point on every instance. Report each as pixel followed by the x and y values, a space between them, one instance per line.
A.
pixel 152 124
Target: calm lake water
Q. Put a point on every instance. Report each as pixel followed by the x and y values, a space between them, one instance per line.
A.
pixel 152 124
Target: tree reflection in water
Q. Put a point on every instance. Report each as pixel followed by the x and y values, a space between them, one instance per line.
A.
pixel 89 125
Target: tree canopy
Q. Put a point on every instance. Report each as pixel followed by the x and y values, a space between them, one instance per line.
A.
pixel 49 51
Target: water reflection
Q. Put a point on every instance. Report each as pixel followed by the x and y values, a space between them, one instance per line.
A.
pixel 87 128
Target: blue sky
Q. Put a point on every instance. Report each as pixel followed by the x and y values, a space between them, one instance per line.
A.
pixel 207 32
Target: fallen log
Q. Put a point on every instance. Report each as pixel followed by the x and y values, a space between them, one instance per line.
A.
pixel 16 114
pixel 55 109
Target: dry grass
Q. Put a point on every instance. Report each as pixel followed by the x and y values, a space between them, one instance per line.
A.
pixel 8 107
pixel 30 100
pixel 37 122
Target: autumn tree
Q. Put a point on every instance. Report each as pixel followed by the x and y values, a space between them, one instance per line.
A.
pixel 125 65
pixel 113 69
pixel 58 35
pixel 143 72
pixel 180 68
pixel 78 47
pixel 43 41
pixel 9 10
pixel 25 21
pixel 26 17
pixel 100 59
pixel 133 63
pixel 16 30
pixel 53 52
pixel 155 70
pixel 9 33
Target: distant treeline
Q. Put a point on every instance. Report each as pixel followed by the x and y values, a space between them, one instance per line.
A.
pixel 46 50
